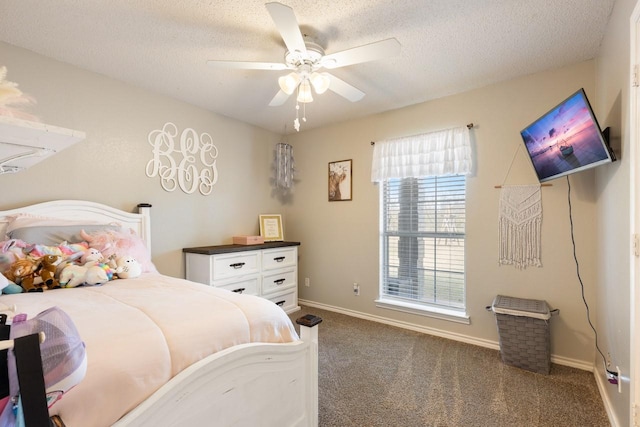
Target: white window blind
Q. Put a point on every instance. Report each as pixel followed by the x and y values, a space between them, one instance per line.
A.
pixel 422 240
pixel 422 237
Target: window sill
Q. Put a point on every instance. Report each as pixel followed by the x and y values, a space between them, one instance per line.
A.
pixel 427 311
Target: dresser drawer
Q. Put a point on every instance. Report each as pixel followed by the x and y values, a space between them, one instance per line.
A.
pixel 279 258
pixel 235 265
pixel 247 285
pixel 288 301
pixel 279 281
pixel 269 270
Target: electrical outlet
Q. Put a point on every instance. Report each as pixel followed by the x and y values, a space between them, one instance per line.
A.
pixel 356 289
pixel 307 282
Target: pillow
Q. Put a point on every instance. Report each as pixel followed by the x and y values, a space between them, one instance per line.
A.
pixel 55 234
pixel 49 231
pixel 29 220
pixel 121 242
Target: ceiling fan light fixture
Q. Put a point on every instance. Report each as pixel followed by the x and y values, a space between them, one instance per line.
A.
pixel 304 92
pixel 320 82
pixel 289 83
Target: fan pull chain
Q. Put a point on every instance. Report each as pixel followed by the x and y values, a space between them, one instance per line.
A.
pixel 296 122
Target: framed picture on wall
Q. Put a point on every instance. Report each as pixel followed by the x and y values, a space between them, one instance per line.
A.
pixel 271 228
pixel 340 181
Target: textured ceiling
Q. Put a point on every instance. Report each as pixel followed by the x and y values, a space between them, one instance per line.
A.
pixel 448 46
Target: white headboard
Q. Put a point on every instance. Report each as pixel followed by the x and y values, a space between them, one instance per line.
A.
pixel 81 210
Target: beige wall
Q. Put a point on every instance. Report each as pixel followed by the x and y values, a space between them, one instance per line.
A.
pixel 109 166
pixel 613 186
pixel 340 239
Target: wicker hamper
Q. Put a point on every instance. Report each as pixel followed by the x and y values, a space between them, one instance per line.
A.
pixel 523 329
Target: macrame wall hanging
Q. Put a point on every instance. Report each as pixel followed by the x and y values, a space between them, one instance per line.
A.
pixel 520 224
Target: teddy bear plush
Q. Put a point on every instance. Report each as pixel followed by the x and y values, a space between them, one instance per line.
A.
pixel 24 272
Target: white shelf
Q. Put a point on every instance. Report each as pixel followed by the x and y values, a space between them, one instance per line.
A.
pixel 24 143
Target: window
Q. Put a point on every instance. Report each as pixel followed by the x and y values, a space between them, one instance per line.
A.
pixel 422 244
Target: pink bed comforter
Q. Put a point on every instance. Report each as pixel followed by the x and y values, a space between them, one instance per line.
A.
pixel 141 332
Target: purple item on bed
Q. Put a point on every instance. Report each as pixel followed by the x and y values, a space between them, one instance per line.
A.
pixel 64 360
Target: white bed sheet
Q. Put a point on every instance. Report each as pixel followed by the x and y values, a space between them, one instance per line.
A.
pixel 141 332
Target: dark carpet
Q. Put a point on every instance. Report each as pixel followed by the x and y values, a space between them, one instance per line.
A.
pixel 371 374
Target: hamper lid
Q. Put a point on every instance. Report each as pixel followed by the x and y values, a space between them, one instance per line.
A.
pixel 521 307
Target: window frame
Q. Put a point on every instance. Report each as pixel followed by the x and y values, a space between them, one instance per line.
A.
pixel 409 305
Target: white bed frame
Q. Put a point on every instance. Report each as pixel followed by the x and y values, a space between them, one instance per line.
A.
pixel 250 384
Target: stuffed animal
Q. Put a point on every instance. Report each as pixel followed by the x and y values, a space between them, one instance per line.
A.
pixel 23 272
pixel 75 275
pixel 119 243
pixel 73 259
pixel 98 274
pixel 128 267
pixel 108 268
pixel 9 287
pixel 12 288
pixel 71 275
pixel 47 270
pixel 4 282
pixel 91 256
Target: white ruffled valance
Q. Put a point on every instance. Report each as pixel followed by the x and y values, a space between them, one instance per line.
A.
pixel 445 152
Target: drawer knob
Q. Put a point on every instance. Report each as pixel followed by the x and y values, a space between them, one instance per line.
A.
pixel 279 281
pixel 279 259
pixel 239 290
pixel 237 265
pixel 280 303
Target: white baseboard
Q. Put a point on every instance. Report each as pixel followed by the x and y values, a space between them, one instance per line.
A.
pixel 574 363
pixel 602 385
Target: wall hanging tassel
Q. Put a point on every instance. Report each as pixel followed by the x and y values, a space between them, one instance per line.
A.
pixel 520 225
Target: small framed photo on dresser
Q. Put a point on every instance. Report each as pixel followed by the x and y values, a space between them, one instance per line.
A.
pixel 271 228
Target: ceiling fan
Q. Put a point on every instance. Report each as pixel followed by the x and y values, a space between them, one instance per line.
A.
pixel 306 59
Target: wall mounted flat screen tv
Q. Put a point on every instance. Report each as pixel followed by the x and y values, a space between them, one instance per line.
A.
pixel 567 139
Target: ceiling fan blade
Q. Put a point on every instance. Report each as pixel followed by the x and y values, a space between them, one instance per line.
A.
pixel 287 25
pixel 279 99
pixel 369 52
pixel 344 89
pixel 248 65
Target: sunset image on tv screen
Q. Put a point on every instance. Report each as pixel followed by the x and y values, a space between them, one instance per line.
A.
pixel 565 140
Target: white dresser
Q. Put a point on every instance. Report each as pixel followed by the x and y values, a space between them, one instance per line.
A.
pixel 269 270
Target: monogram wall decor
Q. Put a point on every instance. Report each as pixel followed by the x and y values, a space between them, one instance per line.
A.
pixel 188 162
